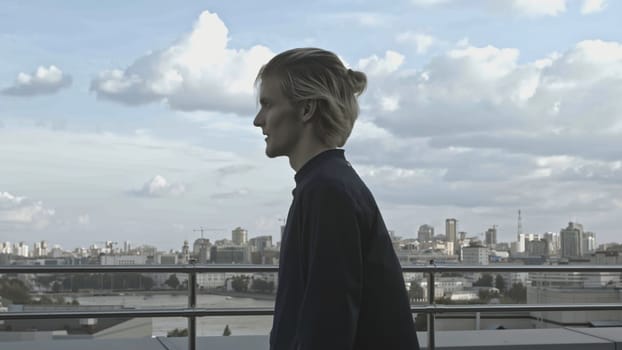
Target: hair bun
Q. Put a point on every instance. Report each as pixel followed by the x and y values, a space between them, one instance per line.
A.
pixel 358 81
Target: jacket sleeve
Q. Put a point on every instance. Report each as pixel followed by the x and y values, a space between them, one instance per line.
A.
pixel 332 269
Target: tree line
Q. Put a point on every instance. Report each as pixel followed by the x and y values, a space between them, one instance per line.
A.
pixel 18 292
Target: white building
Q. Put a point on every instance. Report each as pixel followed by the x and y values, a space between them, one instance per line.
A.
pixel 554 243
pixel 123 260
pixel 475 255
pixel 167 259
pixel 239 236
pixel 443 286
pixel 520 244
pixel 588 242
pixel 6 248
pixel 464 295
pixel 21 249
pixel 40 249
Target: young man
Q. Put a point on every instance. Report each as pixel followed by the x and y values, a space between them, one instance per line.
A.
pixel 340 282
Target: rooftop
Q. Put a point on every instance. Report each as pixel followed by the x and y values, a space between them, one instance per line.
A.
pixel 609 338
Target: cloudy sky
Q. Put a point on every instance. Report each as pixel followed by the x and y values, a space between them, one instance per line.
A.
pixel 133 120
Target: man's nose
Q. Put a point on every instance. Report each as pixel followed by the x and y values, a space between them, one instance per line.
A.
pixel 258 120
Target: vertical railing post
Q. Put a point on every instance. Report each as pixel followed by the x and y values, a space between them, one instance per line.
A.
pixel 432 315
pixel 192 303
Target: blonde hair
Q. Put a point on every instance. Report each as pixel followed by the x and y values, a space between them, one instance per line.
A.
pixel 316 74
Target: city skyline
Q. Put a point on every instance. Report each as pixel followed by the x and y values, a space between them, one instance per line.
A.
pixel 483 238
pixel 142 129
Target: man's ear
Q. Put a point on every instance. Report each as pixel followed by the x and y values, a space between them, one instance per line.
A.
pixel 308 109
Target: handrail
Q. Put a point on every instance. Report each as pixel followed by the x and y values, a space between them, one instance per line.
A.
pixel 263 311
pixel 218 268
pixel 191 312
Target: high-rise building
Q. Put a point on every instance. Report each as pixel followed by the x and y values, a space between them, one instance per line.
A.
pixel 451 230
pixel 520 244
pixel 201 250
pixel 261 250
pixel 36 249
pixel 127 246
pixel 553 240
pixel 21 249
pixel 520 236
pixel 239 236
pixel 491 236
pixel 6 248
pixel 40 249
pixel 537 247
pixel 425 233
pixel 231 254
pixel 261 243
pixel 588 242
pixel 572 240
pixel 462 236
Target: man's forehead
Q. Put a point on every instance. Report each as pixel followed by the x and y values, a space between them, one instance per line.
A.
pixel 269 87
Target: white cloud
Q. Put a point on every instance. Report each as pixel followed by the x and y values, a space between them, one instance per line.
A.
pixel 489 61
pixel 539 7
pixel 375 65
pixel 21 211
pixel 363 19
pixel 43 81
pixel 84 219
pixel 471 89
pixel 235 169
pixel 530 8
pixel 160 187
pixel 422 41
pixel 198 72
pixel 430 2
pixel 476 128
pixel 91 172
pixel 593 6
pixel 242 192
pixel 390 103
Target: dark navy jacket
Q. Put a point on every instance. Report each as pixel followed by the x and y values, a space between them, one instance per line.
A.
pixel 340 282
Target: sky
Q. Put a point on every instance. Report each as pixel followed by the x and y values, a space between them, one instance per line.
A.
pixel 133 120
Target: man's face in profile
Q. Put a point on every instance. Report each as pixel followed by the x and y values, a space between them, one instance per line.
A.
pixel 278 118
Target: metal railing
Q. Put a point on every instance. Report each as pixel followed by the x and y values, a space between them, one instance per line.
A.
pixel 192 311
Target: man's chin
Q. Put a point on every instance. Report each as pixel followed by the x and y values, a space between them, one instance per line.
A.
pixel 273 154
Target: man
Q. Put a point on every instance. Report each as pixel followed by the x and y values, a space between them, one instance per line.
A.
pixel 340 283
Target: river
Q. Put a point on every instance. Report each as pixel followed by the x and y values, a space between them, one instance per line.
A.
pixel 206 326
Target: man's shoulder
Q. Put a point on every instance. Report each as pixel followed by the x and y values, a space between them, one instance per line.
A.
pixel 334 179
pixel 326 184
pixel 335 187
